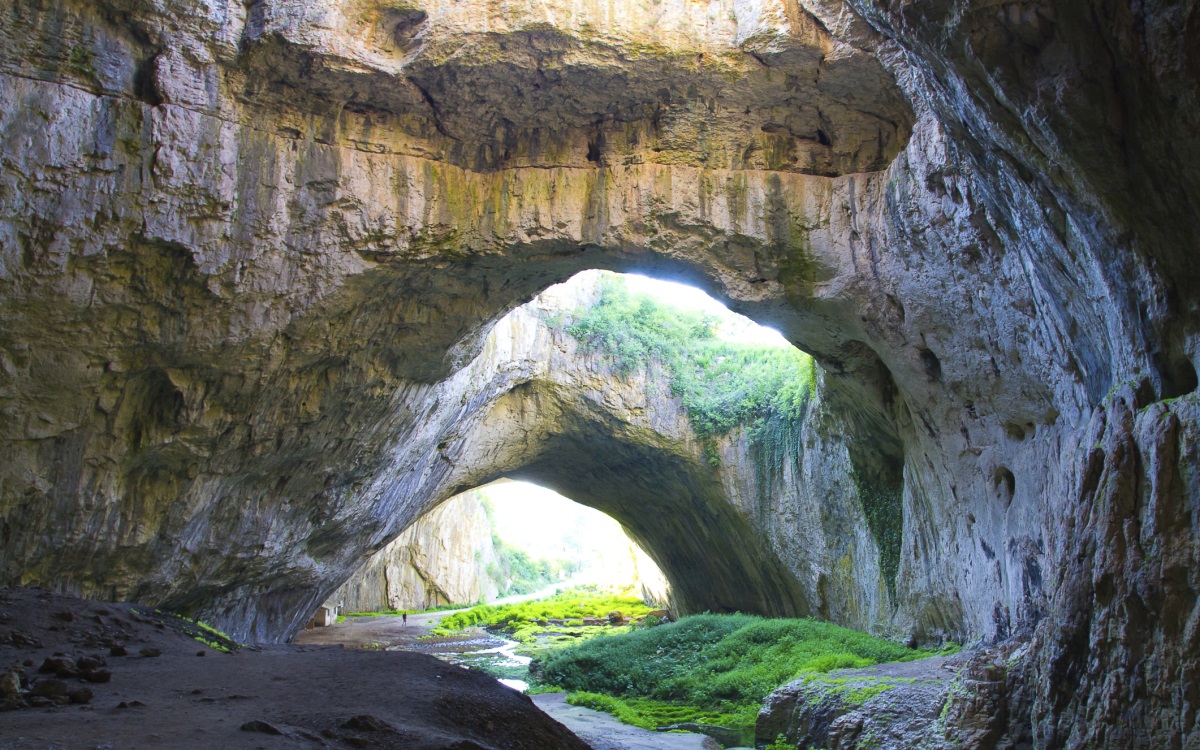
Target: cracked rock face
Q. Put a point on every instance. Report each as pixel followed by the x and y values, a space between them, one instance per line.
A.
pixel 245 251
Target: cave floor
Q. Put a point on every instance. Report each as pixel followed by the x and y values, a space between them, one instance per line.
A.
pixel 598 729
pixel 162 694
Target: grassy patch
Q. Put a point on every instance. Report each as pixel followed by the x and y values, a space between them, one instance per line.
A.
pixel 199 631
pixel 522 621
pixel 652 714
pixel 711 669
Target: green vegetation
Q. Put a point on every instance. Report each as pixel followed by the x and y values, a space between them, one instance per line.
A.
pixel 780 743
pixel 883 507
pixel 516 572
pixel 521 621
pixel 649 713
pixel 199 631
pixel 711 669
pixel 722 384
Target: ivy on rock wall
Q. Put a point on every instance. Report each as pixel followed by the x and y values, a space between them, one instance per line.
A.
pixel 883 507
pixel 722 384
pixel 725 384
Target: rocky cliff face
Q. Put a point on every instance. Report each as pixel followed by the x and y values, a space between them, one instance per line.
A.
pixel 727 537
pixel 247 251
pixel 442 558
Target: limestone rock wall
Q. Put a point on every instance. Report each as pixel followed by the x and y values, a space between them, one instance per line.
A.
pixel 442 558
pixel 222 322
pixel 725 539
pixel 245 252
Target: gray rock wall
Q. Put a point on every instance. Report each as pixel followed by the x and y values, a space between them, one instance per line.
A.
pixel 246 251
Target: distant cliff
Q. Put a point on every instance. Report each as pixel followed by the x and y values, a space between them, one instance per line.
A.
pixel 443 558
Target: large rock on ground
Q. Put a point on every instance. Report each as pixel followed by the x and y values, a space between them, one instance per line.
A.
pixel 971 701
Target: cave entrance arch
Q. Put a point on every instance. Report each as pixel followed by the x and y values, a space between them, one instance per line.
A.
pixel 535 406
pixel 624 446
pixel 506 541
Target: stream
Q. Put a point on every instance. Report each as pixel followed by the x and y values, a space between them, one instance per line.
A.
pixel 493 654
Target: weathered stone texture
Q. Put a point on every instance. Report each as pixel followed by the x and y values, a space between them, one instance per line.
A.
pixel 245 252
pixel 970 701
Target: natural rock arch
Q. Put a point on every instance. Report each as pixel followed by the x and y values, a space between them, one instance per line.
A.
pixel 532 407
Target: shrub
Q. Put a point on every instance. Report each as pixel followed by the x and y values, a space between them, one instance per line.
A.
pixel 521 619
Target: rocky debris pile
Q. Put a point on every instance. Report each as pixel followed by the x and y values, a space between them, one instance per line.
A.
pixel 64 646
pixel 970 701
pixel 54 689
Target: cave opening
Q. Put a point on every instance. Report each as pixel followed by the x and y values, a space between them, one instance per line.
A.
pixel 690 425
pixel 249 258
pixel 508 541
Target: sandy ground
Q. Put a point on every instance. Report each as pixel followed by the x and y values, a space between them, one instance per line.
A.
pixel 368 632
pixel 163 694
pixel 597 728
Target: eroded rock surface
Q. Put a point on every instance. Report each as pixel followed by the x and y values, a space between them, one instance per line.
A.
pixel 245 248
pixel 970 701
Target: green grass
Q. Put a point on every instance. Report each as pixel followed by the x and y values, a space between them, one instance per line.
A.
pixel 648 713
pixel 712 669
pixel 520 621
pixel 199 631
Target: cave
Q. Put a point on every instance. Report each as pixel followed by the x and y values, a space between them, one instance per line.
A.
pixel 253 258
pixel 541 408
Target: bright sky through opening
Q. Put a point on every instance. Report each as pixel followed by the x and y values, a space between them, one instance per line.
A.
pixel 733 327
pixel 547 525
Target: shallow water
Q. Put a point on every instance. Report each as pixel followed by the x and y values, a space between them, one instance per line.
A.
pixel 519 685
pixel 491 653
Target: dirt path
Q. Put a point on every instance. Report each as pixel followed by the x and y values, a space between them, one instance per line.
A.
pixel 369 632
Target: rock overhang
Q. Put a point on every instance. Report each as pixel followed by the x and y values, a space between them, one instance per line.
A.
pixel 727 85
